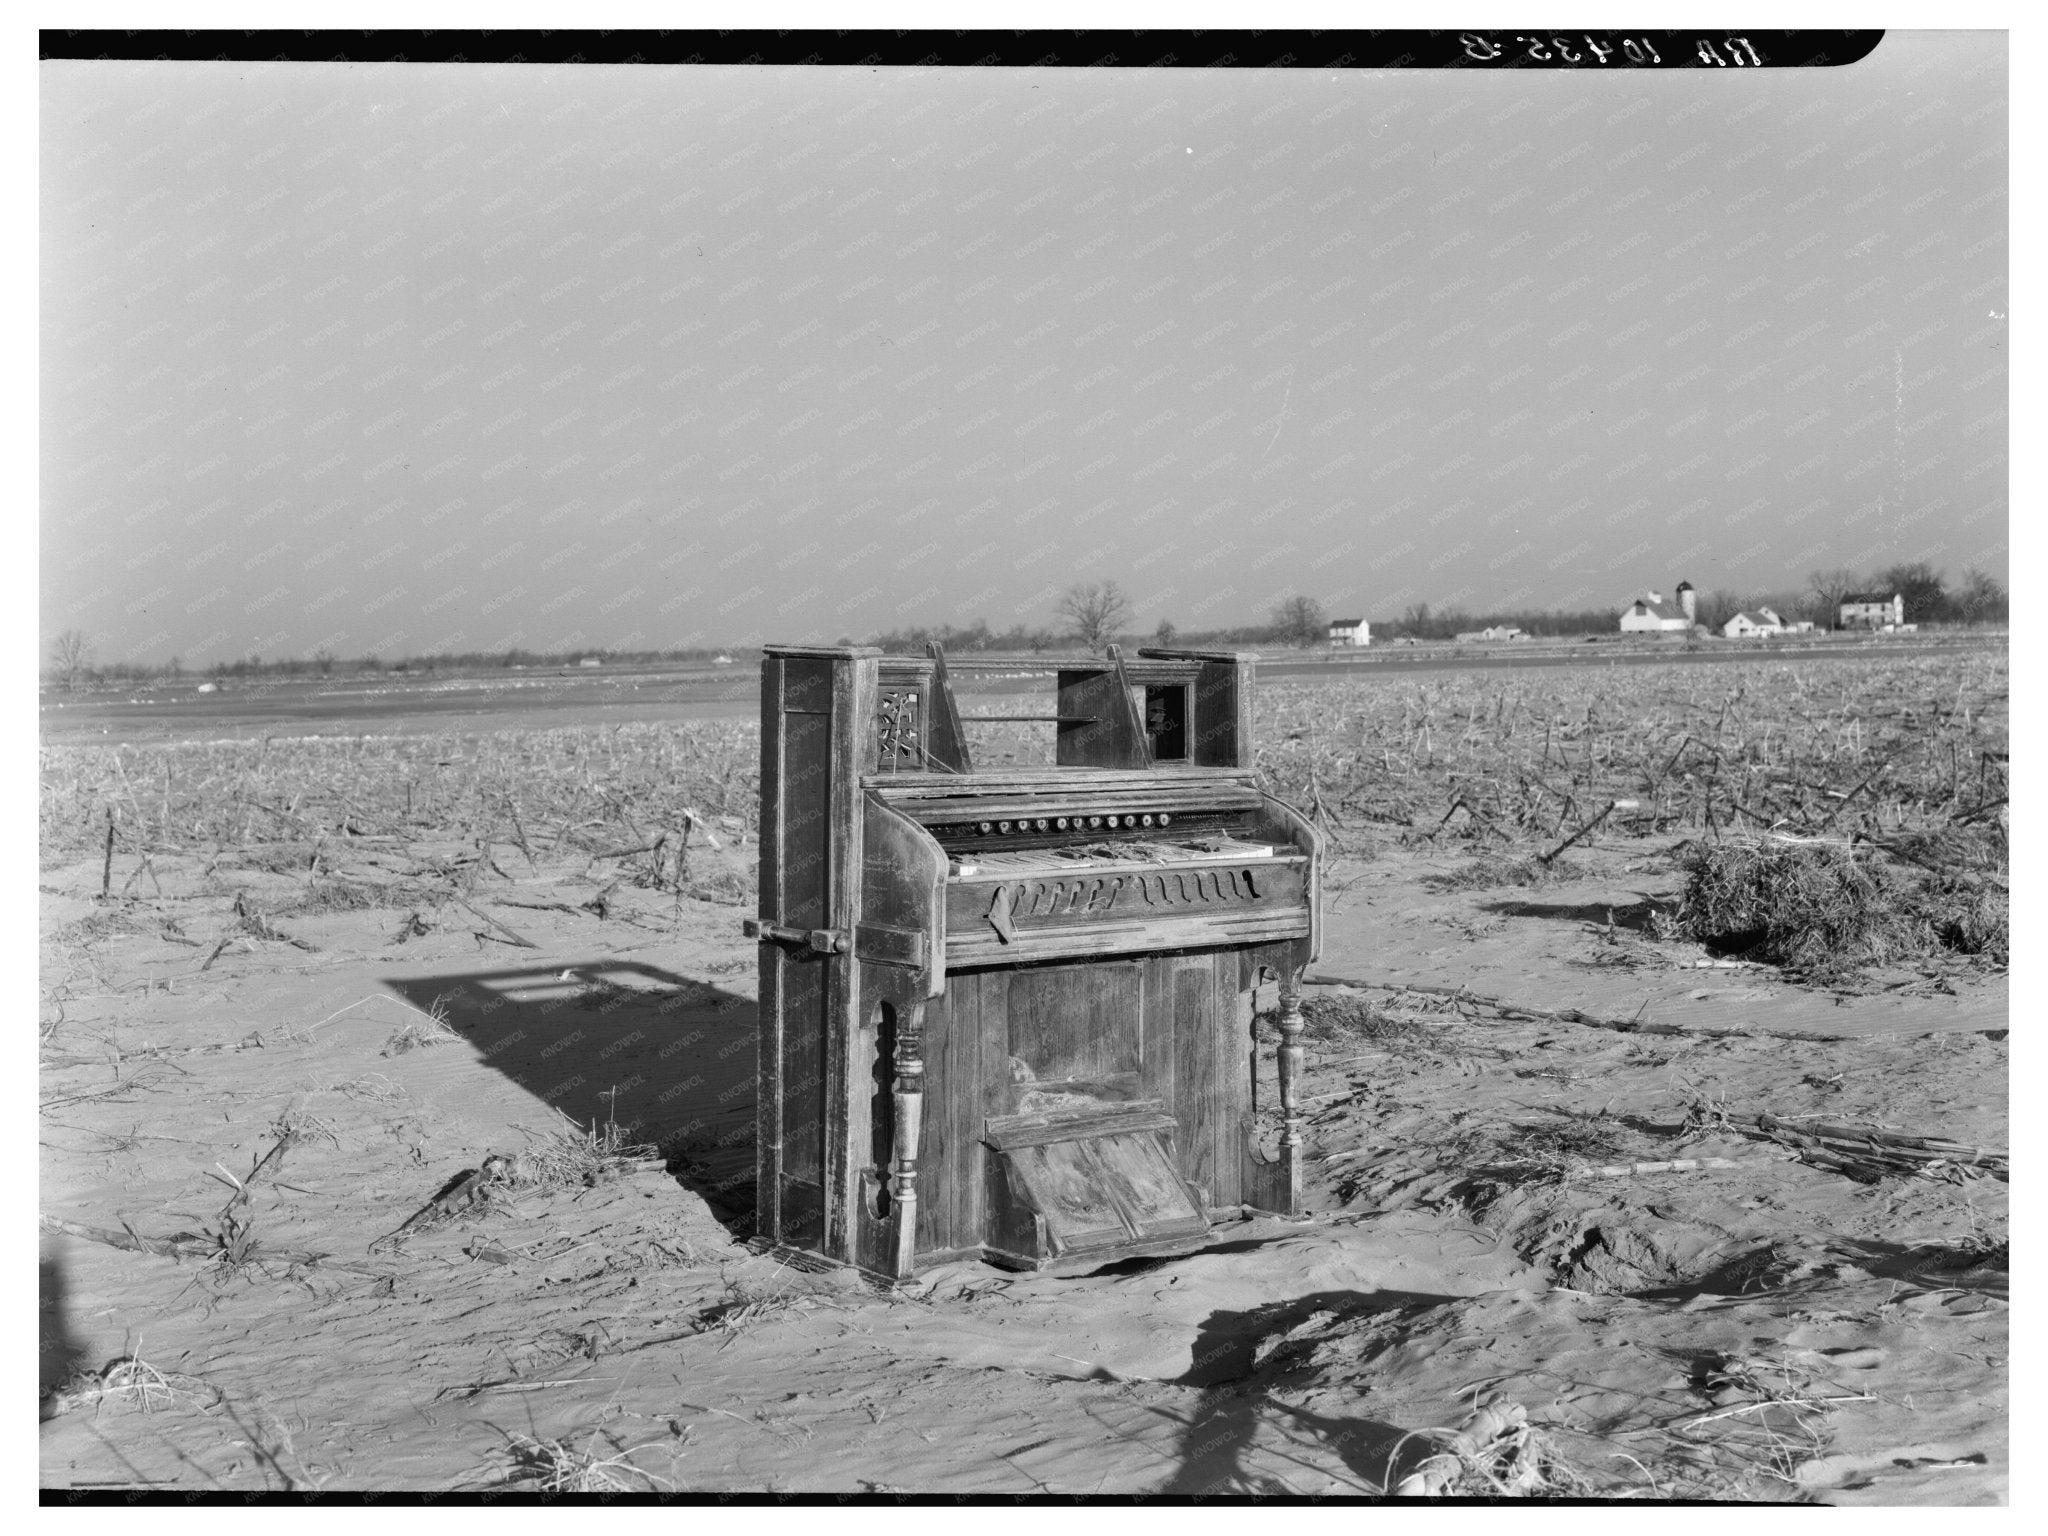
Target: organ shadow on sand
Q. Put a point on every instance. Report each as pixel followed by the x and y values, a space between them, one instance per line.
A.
pixel 667 1058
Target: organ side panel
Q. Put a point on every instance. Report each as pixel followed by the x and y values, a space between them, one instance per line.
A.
pixel 796 978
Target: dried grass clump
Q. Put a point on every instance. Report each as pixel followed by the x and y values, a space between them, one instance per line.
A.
pixel 580 1158
pixel 721 883
pixel 422 1028
pixel 1493 870
pixel 549 1466
pixel 128 1381
pixel 1339 1020
pixel 285 858
pixel 101 924
pixel 325 893
pixel 1971 919
pixel 1829 909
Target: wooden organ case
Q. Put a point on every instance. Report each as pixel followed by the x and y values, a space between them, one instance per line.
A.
pixel 1007 1014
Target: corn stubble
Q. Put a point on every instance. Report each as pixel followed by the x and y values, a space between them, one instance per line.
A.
pixel 1841 813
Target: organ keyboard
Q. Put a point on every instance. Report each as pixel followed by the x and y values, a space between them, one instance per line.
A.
pixel 1007 1012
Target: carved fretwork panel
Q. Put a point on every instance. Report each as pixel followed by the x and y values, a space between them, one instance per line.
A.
pixel 900 731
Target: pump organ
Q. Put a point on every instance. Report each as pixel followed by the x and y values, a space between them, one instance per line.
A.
pixel 1007 1013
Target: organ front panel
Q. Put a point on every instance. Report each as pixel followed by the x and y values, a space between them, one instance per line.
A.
pixel 1006 1012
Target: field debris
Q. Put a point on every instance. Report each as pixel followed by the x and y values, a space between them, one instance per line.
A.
pixel 1465 1000
pixel 579 1157
pixel 1753 748
pixel 188 1245
pixel 551 1466
pixel 1866 1153
pixel 1667 1165
pixel 127 1381
pixel 1495 1453
pixel 1532 1272
pixel 421 1029
pixel 471 1187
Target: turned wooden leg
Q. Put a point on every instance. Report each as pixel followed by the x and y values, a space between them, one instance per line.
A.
pixel 909 1097
pixel 1290 1086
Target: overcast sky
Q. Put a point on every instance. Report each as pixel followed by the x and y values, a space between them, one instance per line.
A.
pixel 422 358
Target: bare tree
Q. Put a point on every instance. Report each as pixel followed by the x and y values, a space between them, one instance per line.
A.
pixel 1981 597
pixel 1921 585
pixel 1301 621
pixel 1827 588
pixel 1096 610
pixel 1714 609
pixel 323 661
pixel 1163 636
pixel 69 654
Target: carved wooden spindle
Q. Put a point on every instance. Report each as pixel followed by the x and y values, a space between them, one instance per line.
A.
pixel 909 1096
pixel 1290 1084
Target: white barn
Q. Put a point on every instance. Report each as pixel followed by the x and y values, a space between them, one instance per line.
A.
pixel 1650 614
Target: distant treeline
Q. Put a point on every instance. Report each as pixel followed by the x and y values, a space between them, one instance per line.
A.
pixel 1977 599
pixel 322 664
pixel 1303 621
pixel 1298 621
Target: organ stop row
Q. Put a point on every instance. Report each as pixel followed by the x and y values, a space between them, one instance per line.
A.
pixel 1006 1012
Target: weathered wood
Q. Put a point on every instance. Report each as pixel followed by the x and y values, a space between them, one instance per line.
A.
pixel 1284 824
pixel 1006 1133
pixel 1101 727
pixel 1291 1022
pixel 1156 1034
pixel 1027 1041
pixel 1117 909
pixel 909 1094
pixel 1232 1032
pixel 937 1206
pixel 1222 725
pixel 1097 1185
pixel 902 913
pixel 947 742
pixel 854 685
pixel 771 1011
pixel 1199 1103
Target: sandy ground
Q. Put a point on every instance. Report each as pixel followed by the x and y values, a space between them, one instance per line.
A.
pixel 1764 1331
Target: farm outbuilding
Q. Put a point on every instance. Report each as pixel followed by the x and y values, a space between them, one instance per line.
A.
pixel 1651 614
pixel 1872 610
pixel 1494 633
pixel 1350 632
pixel 1747 625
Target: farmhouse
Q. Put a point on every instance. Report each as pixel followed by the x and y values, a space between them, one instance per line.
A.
pixel 1650 614
pixel 1746 626
pixel 1350 632
pixel 1872 610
